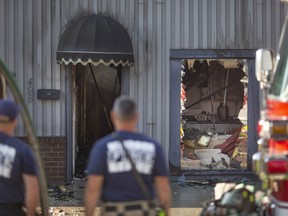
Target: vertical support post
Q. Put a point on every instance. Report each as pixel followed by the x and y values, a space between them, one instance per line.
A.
pixel 253 113
pixel 69 123
pixel 174 122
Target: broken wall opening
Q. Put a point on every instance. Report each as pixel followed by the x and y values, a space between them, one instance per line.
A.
pixel 213 114
pixel 92 98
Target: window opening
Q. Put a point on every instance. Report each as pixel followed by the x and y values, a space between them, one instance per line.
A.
pixel 213 130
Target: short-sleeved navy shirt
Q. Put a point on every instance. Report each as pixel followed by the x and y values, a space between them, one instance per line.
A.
pixel 108 158
pixel 16 159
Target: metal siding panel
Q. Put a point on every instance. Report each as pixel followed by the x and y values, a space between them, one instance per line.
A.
pixel 63 15
pixel 159 70
pixel 47 76
pixel 166 78
pixel 222 25
pixel 141 66
pixel 20 53
pixel 277 23
pixel 227 23
pixel 218 25
pixel 232 22
pixel 259 22
pixel 123 11
pixel 150 77
pixel 204 35
pixel 28 59
pixel 38 119
pixel 177 24
pixel 209 24
pixel 104 5
pixel 42 78
pixel 131 20
pixel 268 23
pixel 57 127
pixel 134 6
pixel 195 26
pixel 238 25
pixel 24 42
pixel 186 21
pixel 249 25
pixel 10 35
pixel 85 6
pixel 214 23
pixel 273 18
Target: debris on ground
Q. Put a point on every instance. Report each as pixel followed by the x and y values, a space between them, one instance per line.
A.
pixel 67 195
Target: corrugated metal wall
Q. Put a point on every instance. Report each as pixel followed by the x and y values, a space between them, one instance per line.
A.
pixel 30 31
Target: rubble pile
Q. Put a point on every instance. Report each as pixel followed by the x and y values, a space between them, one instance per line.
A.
pixel 205 150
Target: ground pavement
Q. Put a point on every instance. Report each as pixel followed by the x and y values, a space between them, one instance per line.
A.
pixel 188 197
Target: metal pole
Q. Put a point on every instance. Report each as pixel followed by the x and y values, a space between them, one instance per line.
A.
pixel 225 92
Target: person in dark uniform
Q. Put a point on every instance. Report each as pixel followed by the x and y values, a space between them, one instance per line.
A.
pixel 18 171
pixel 110 174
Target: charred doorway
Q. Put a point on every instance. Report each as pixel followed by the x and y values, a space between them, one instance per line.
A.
pixel 96 88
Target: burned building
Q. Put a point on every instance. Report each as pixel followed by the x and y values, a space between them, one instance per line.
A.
pixel 71 58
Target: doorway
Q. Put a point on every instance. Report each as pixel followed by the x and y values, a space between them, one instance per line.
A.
pixel 95 89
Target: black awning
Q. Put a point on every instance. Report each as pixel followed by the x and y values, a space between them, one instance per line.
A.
pixel 95 39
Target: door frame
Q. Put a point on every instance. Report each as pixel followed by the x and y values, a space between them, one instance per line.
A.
pixel 70 108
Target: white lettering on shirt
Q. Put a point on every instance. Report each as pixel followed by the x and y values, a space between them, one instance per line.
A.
pixel 7 157
pixel 141 152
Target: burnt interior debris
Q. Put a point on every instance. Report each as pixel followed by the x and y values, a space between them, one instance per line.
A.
pixel 213 114
pixel 93 97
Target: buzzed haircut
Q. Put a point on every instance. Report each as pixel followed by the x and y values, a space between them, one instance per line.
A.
pixel 125 108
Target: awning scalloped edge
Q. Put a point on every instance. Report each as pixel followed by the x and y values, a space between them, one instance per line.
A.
pixel 95 63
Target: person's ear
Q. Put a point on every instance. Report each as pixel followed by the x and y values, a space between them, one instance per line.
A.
pixel 112 115
pixel 136 116
pixel 14 122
